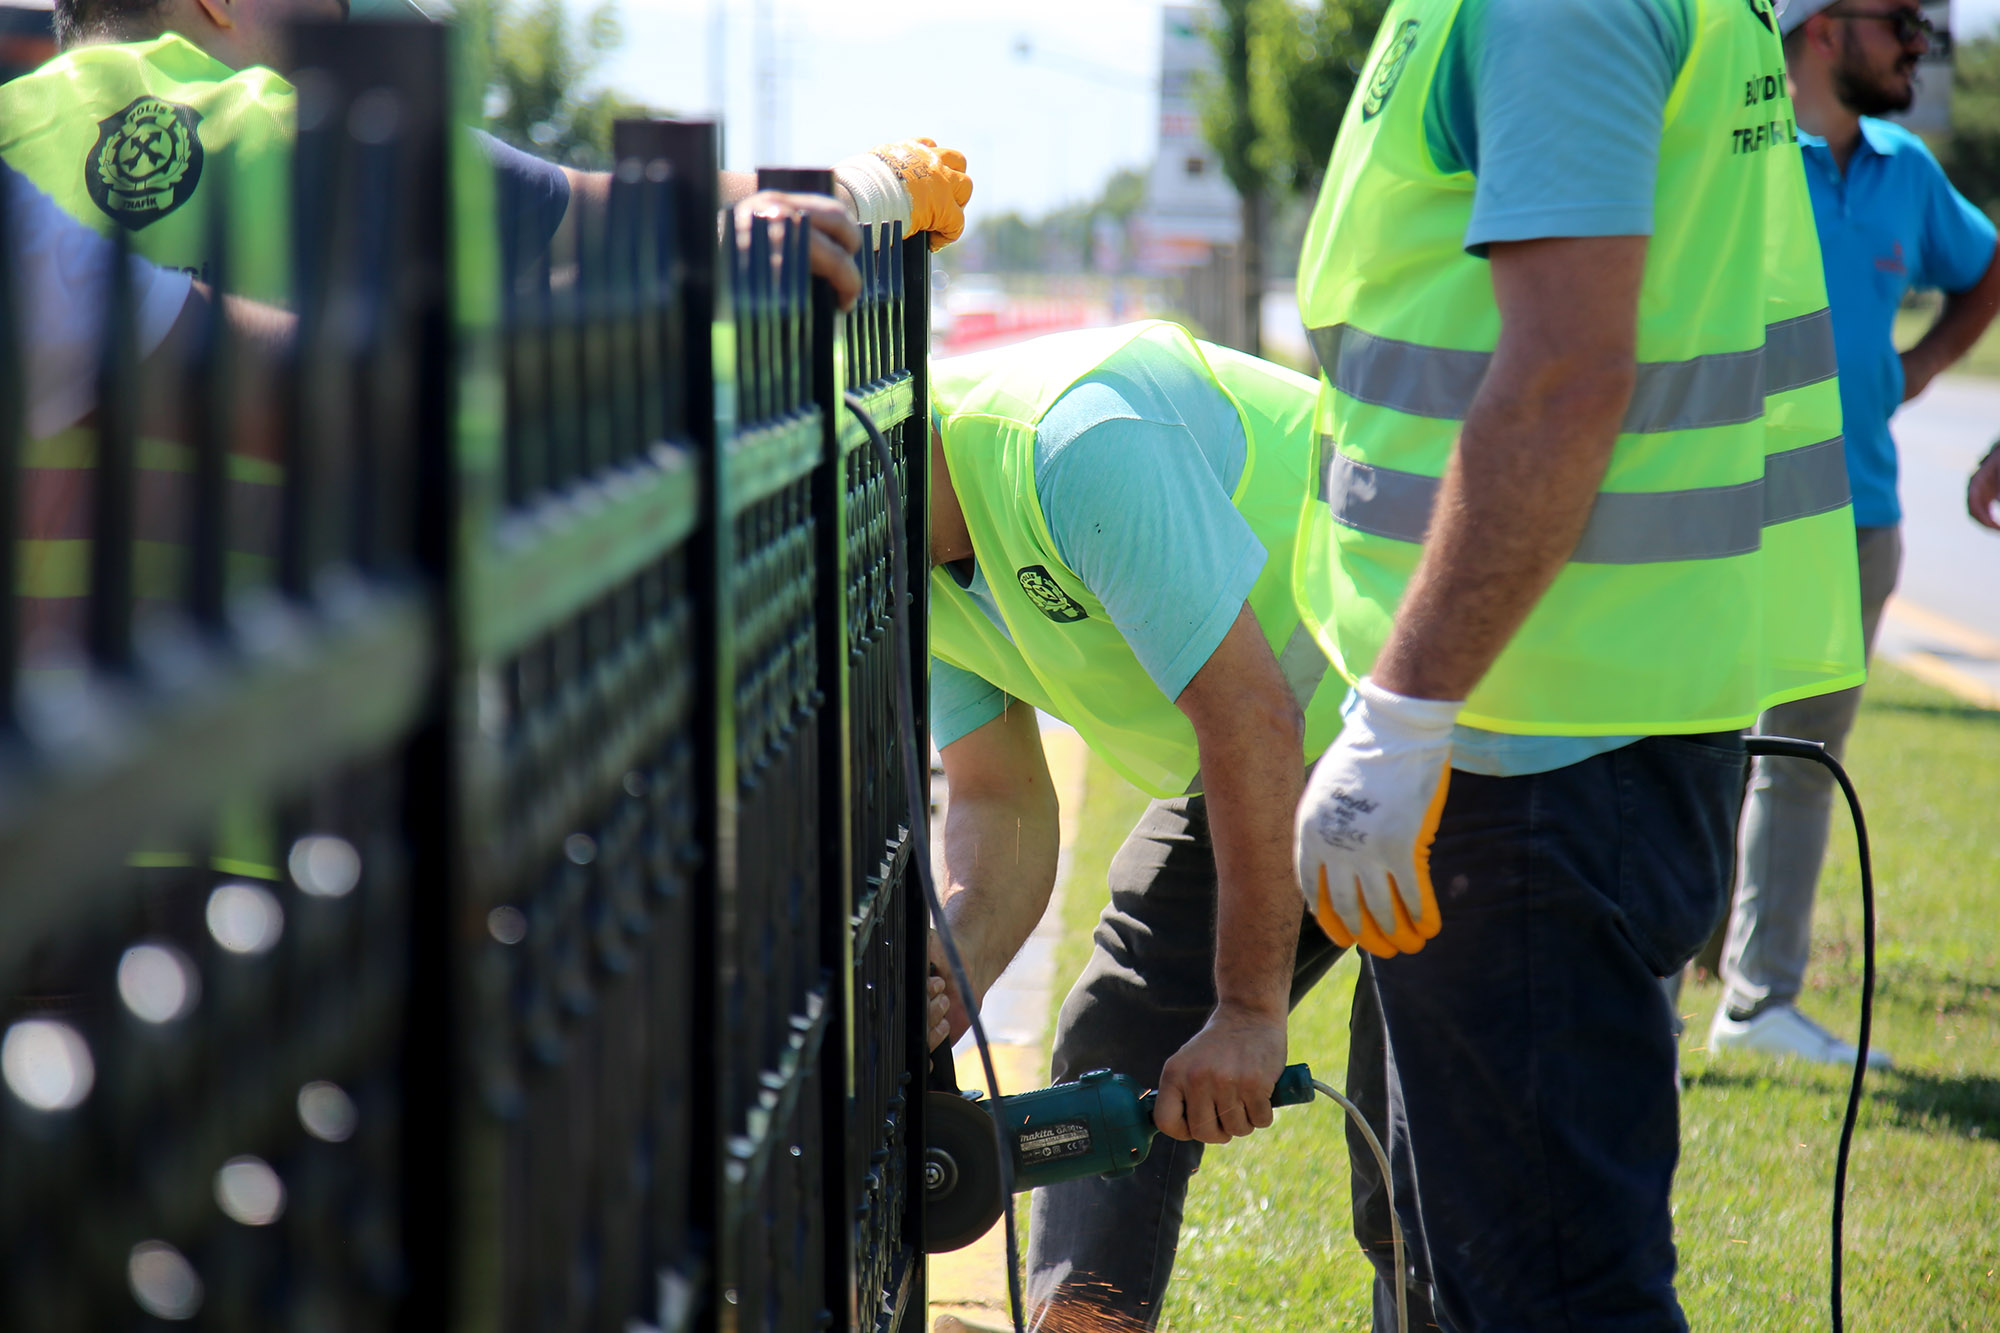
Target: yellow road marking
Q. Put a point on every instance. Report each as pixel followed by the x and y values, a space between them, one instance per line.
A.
pixel 1963 638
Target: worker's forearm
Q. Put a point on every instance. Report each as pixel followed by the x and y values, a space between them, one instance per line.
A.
pixel 1000 867
pixel 1513 503
pixel 1965 317
pixel 1252 776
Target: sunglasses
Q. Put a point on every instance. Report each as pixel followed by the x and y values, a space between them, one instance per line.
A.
pixel 1909 23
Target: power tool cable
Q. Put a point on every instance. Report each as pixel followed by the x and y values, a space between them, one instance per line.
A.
pixel 1787 748
pixel 906 734
pixel 1389 1192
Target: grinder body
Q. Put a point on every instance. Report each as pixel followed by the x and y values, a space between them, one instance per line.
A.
pixel 1098 1125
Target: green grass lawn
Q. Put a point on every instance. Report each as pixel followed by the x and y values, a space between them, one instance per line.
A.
pixel 1267 1243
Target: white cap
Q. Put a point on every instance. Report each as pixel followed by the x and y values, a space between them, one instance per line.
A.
pixel 1793 13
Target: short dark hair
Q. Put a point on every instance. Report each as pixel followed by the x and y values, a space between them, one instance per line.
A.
pixel 81 22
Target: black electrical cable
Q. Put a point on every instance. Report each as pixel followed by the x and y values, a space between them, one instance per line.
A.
pixel 906 733
pixel 1782 747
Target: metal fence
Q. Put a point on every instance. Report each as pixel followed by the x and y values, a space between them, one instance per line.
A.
pixel 482 900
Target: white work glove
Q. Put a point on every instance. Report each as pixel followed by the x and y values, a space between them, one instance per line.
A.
pixel 1362 842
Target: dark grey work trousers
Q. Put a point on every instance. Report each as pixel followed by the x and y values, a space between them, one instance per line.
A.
pixel 1147 989
pixel 1520 1068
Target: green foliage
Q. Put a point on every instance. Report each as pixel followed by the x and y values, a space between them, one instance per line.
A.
pixel 1229 118
pixel 1061 241
pixel 540 63
pixel 1288 68
pixel 1267 1241
pixel 1971 156
pixel 1311 69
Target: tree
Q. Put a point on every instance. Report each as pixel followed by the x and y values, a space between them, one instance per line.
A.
pixel 1313 65
pixel 540 64
pixel 1229 122
pixel 1971 156
pixel 1287 70
pixel 1062 240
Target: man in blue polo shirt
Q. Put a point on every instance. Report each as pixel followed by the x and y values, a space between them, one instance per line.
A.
pixel 1888 221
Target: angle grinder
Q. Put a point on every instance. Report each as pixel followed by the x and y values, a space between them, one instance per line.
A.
pixel 1097 1125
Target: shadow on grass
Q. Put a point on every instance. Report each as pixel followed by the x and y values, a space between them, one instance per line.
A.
pixel 1961 1105
pixel 1913 984
pixel 1955 712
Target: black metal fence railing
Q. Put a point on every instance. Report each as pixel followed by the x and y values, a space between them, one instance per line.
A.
pixel 484 901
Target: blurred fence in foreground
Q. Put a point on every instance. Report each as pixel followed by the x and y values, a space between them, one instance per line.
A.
pixel 483 900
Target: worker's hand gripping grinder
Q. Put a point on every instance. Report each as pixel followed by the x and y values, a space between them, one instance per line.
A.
pixel 1099 1125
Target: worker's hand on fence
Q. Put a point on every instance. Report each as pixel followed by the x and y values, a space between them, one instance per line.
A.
pixel 949 1016
pixel 1363 837
pixel 1218 1086
pixel 914 180
pixel 1983 494
pixel 835 237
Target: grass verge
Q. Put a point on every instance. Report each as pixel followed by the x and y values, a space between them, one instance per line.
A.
pixel 1267 1245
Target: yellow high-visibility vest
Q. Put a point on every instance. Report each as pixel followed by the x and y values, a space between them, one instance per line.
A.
pixel 1717 573
pixel 1060 650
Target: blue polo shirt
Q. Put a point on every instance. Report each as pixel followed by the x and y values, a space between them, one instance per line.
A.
pixel 1891 223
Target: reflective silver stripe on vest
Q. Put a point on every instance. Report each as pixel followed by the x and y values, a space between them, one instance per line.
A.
pixel 1723 389
pixel 1626 527
pixel 1305 666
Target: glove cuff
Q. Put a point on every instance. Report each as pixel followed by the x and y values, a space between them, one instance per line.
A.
pixel 1402 715
pixel 879 196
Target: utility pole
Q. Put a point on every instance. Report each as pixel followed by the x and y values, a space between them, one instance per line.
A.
pixel 718 58
pixel 772 141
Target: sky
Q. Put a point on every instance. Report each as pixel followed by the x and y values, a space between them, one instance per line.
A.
pixel 1040 131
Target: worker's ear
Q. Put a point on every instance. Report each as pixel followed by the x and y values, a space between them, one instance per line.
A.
pixel 218 12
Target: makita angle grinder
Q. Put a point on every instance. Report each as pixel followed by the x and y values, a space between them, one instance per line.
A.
pixel 1099 1125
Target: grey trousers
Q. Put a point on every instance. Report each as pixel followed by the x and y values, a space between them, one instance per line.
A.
pixel 1785 819
pixel 1149 986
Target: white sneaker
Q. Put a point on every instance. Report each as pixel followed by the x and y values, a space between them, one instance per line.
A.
pixel 1782 1030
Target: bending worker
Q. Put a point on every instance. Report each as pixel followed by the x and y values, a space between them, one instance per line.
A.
pixel 1113 515
pixel 1584 518
pixel 1888 221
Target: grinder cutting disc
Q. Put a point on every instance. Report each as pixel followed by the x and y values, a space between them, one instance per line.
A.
pixel 962 1191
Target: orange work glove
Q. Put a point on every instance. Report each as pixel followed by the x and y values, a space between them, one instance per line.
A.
pixel 912 181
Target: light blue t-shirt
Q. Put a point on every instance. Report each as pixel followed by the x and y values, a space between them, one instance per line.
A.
pixel 1134 467
pixel 1890 223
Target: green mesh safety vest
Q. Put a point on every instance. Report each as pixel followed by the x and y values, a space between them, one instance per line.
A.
pixel 135 135
pixel 128 135
pixel 1060 650
pixel 1717 573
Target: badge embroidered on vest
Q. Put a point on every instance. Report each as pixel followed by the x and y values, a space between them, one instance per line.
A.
pixel 146 163
pixel 1766 13
pixel 1390 72
pixel 1048 596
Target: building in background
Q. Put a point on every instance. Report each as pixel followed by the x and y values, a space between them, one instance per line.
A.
pixel 1190 206
pixel 27 38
